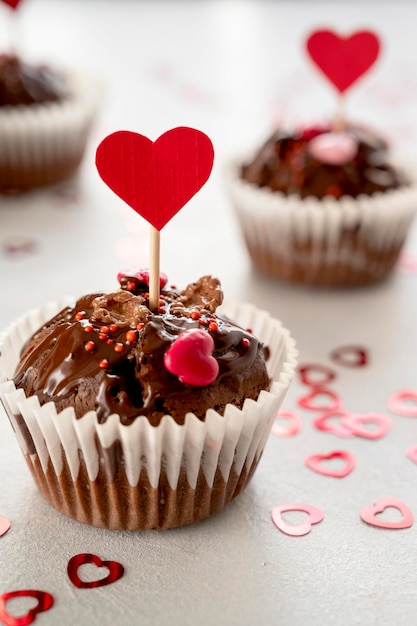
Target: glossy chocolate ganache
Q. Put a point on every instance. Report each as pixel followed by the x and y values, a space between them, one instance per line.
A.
pixel 107 353
pixel 24 84
pixel 354 162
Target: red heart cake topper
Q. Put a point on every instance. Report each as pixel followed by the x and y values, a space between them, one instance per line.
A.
pixel 45 602
pixel 156 179
pixel 12 3
pixel 343 60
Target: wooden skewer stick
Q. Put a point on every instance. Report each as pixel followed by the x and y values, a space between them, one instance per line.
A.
pixel 339 119
pixel 154 270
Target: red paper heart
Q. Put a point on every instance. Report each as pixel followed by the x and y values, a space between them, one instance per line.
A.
pixel 343 60
pixel 397 403
pixel 307 374
pixel 156 179
pixel 116 571
pixel 45 601
pixel 368 514
pixel 315 516
pixel 4 525
pixel 190 358
pixel 350 356
pixel 12 3
pixel 314 462
pixel 340 429
pixel 306 402
pixel 294 424
pixel 356 423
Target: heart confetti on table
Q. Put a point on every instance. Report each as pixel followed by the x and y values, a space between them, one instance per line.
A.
pixel 116 571
pixel 294 424
pixel 316 375
pixel 12 3
pixel 343 60
pixel 315 463
pixel 4 525
pixel 336 428
pixel 45 602
pixel 310 403
pixel 190 357
pixel 412 453
pixel 350 356
pixel 369 514
pixel 403 403
pixel 356 422
pixel 315 516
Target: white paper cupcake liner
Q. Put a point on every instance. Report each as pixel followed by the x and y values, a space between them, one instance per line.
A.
pixel 43 143
pixel 232 441
pixel 356 233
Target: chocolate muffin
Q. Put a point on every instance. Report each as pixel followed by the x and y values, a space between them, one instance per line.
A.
pixel 323 208
pixel 134 419
pixel 45 119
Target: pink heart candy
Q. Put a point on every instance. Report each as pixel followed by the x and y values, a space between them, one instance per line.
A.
pixel 308 374
pixel 190 358
pixel 315 516
pixel 314 462
pixel 294 424
pixel 306 402
pixel 369 514
pixel 333 148
pixel 397 403
pixel 4 525
pixel 412 453
pixel 45 602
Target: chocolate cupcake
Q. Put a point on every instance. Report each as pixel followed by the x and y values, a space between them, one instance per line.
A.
pixel 135 419
pixel 323 208
pixel 45 120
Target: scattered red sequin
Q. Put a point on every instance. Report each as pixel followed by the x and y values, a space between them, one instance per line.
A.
pixel 315 516
pixel 294 424
pixel 350 356
pixel 403 403
pixel 316 375
pixel 306 402
pixel 4 525
pixel 314 462
pixel 45 602
pixel 412 453
pixel 116 571
pixel 369 514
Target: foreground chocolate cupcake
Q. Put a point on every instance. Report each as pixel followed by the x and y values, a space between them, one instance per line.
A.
pixel 323 208
pixel 134 419
pixel 45 119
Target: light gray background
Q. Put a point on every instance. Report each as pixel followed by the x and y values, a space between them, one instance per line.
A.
pixel 233 70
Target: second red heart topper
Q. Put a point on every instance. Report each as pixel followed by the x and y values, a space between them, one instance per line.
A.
pixel 12 3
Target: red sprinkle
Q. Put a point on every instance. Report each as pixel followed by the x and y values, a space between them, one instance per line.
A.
pixel 102 336
pixel 105 330
pixel 104 364
pixel 88 328
pixel 89 346
pixel 140 326
pixel 195 315
pixel 245 342
pixel 131 286
pixel 80 315
pixel 249 330
pixel 161 309
pixel 213 326
pixel 113 328
pixel 118 347
pixel 110 341
pixel 203 322
pixel 131 335
pixel 334 191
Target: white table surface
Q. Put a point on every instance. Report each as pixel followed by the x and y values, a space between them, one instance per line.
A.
pixel 233 70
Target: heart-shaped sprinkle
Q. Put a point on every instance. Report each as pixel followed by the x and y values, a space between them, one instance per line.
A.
pixel 403 403
pixel 190 358
pixel 356 422
pixel 343 60
pixel 45 602
pixel 341 429
pixel 307 402
pixel 116 570
pixel 333 148
pixel 138 278
pixel 156 179
pixel 350 356
pixel 12 3
pixel 316 375
pixel 315 516
pixel 294 424
pixel 4 525
pixel 314 462
pixel 412 453
pixel 369 514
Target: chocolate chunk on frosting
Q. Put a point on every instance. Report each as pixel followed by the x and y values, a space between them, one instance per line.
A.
pixel 23 84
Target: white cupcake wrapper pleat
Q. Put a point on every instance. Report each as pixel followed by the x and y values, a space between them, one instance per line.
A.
pixel 220 442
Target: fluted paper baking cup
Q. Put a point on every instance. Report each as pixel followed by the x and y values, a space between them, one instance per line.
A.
pixel 194 469
pixel 345 241
pixel 44 143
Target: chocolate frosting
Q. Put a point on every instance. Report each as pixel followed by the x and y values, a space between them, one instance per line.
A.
pixel 25 84
pixel 107 354
pixel 284 163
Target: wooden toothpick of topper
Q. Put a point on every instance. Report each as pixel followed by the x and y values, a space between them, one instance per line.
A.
pixel 343 60
pixel 156 179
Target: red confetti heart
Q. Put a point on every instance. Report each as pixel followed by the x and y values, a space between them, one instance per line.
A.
pixel 4 525
pixel 156 179
pixel 343 60
pixel 356 423
pixel 412 453
pixel 350 356
pixel 314 462
pixel 190 358
pixel 397 403
pixel 12 3
pixel 369 514
pixel 340 429
pixel 116 571
pixel 316 375
pixel 294 424
pixel 45 601
pixel 315 516
pixel 306 402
